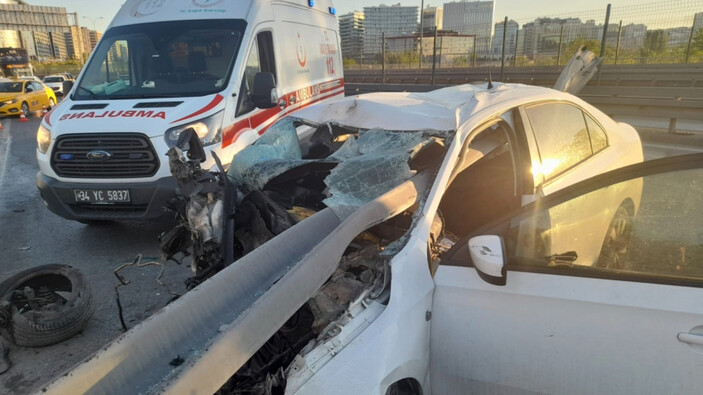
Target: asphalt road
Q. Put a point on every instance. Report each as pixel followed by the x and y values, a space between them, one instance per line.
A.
pixel 30 235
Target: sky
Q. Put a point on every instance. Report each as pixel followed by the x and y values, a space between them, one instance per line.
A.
pixel 92 10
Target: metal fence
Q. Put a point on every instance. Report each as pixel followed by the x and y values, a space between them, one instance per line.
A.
pixel 663 32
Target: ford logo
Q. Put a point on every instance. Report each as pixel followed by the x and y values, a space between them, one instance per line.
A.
pixel 98 155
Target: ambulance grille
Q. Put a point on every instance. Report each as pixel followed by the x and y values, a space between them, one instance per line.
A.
pixel 104 155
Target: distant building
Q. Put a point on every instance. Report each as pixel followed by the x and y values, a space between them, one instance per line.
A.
pixel 677 36
pixel 93 38
pixel 472 18
pixel 351 35
pixel 394 21
pixel 45 32
pixel 632 36
pixel 451 46
pixel 543 35
pixel 432 19
pixel 510 38
pixel 74 43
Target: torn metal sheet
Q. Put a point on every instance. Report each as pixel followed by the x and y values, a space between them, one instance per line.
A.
pixel 582 66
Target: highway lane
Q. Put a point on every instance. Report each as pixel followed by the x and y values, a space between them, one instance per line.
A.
pixel 31 235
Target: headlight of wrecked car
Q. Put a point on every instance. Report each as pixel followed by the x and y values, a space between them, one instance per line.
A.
pixel 209 130
pixel 12 101
pixel 43 139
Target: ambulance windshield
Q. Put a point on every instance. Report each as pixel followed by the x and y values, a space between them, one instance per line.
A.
pixel 164 59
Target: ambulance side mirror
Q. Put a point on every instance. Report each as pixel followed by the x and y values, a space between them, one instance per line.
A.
pixel 264 93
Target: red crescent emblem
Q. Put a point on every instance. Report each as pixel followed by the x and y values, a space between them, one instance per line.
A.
pixel 300 50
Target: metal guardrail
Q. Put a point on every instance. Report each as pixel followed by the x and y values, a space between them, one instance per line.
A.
pixel 661 91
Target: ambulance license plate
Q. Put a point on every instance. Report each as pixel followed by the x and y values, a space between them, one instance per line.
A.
pixel 102 196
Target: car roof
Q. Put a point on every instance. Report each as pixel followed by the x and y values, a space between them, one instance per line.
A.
pixel 442 109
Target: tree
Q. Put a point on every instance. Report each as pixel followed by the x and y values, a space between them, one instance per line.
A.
pixel 655 41
pixel 697 44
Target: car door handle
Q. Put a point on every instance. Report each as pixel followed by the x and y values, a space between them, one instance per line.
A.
pixel 690 338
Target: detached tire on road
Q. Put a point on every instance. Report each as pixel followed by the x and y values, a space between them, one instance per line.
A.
pixel 44 305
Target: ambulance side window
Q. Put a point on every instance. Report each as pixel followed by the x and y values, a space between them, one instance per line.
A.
pixel 260 58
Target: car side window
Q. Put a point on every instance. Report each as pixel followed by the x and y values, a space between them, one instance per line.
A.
pixel 645 229
pixel 598 137
pixel 260 58
pixel 562 136
pixel 484 182
pixel 37 86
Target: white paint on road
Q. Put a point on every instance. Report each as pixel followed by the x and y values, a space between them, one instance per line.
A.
pixel 5 142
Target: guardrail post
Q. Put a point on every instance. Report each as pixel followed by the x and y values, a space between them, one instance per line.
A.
pixel 672 125
pixel 502 56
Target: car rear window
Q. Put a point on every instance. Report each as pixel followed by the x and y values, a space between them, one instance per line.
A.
pixel 562 136
pixel 53 79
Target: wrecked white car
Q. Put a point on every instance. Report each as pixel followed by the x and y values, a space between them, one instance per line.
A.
pixel 317 257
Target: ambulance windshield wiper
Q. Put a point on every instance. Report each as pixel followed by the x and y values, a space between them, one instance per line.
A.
pixel 91 93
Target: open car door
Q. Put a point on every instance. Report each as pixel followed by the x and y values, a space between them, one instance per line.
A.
pixel 628 321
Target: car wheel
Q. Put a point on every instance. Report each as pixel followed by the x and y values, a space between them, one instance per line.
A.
pixel 25 109
pixel 613 253
pixel 52 103
pixel 44 305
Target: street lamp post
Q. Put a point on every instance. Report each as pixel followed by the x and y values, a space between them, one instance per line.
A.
pixel 93 20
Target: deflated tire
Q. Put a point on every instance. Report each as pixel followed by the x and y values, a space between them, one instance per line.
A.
pixel 44 305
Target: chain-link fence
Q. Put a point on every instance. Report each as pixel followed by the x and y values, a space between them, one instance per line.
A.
pixel 652 33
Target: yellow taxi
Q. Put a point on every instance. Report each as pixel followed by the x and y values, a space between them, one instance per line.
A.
pixel 24 96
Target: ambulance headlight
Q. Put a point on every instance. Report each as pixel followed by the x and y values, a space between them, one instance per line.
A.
pixel 43 139
pixel 209 130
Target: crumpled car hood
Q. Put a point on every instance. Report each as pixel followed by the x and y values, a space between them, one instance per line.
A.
pixel 439 110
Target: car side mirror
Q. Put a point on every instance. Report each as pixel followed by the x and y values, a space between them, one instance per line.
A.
pixel 488 256
pixel 28 89
pixel 264 93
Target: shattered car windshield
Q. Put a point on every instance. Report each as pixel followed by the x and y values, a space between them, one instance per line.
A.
pixel 362 164
pixel 165 59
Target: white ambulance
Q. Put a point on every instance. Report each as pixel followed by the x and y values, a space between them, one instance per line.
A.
pixel 227 69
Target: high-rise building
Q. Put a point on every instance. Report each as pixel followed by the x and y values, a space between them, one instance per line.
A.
pixel 632 36
pixel 472 18
pixel 510 38
pixel 677 36
pixel 544 35
pixel 351 35
pixel 74 43
pixel 432 19
pixel 450 47
pixel 45 32
pixel 394 21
